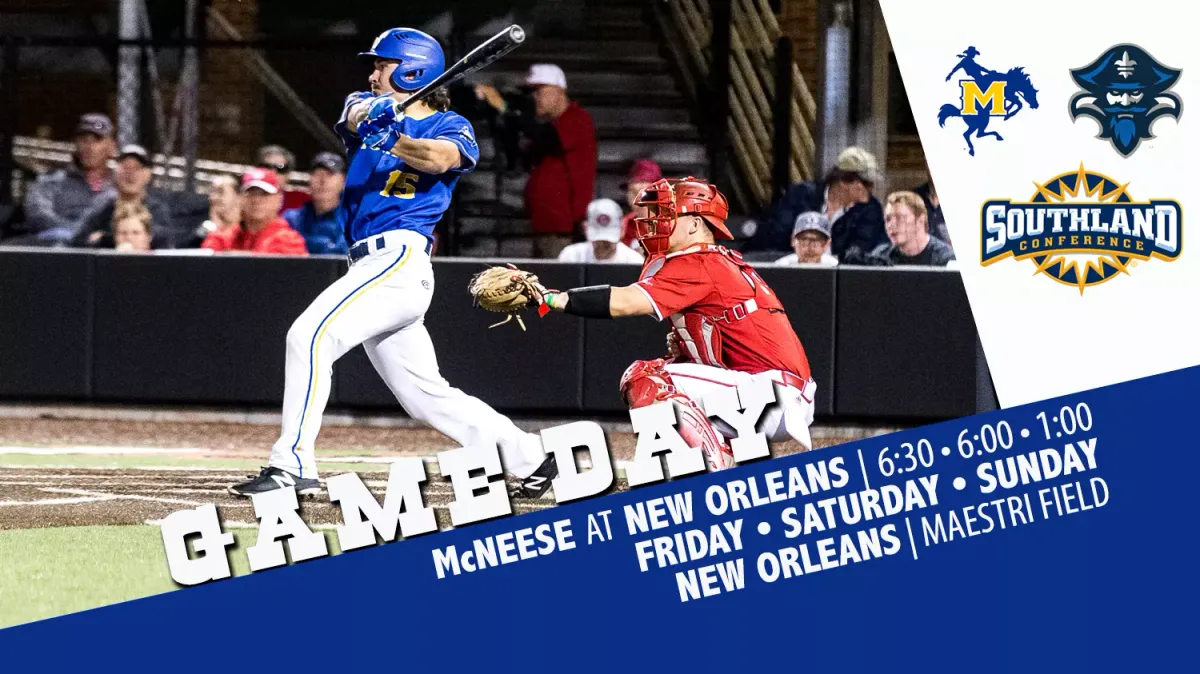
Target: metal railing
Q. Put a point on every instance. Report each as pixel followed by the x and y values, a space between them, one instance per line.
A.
pixel 170 171
pixel 756 44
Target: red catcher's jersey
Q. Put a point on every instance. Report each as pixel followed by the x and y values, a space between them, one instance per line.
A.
pixel 723 312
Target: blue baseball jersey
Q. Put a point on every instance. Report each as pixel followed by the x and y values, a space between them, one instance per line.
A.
pixel 384 193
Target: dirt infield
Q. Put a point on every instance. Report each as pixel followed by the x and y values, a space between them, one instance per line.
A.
pixel 55 497
pixel 253 441
pixel 138 472
pixel 217 439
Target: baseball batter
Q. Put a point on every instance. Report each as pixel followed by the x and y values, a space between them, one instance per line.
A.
pixel 401 172
pixel 727 326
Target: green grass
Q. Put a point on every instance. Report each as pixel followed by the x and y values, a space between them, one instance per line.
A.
pixel 51 572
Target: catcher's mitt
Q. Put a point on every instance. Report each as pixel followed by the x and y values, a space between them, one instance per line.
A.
pixel 506 290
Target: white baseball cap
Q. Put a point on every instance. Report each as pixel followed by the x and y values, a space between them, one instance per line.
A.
pixel 546 73
pixel 604 221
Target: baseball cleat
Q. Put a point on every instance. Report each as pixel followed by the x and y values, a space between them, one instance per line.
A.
pixel 537 484
pixel 272 478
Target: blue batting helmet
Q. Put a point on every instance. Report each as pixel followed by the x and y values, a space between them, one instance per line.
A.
pixel 420 56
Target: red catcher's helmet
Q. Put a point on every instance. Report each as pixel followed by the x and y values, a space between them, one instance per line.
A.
pixel 670 198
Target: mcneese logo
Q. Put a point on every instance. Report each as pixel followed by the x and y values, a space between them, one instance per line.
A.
pixel 1081 229
pixel 986 94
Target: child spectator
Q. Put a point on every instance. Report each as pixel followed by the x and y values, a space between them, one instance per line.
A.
pixel 132 228
pixel 810 240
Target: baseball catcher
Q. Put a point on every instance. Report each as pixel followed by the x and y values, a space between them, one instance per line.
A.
pixel 727 326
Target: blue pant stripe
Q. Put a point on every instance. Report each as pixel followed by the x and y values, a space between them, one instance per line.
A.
pixel 312 353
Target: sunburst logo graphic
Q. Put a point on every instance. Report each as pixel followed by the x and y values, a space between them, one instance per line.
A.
pixel 1081 229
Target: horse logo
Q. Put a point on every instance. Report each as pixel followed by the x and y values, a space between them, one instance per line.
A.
pixel 986 94
pixel 1125 90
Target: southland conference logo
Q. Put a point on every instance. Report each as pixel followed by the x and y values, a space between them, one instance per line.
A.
pixel 1082 229
pixel 987 94
pixel 1125 90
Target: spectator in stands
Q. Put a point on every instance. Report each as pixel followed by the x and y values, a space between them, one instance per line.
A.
pixel 560 149
pixel 933 207
pixel 281 160
pixel 131 184
pixel 810 240
pixel 855 215
pixel 603 243
pixel 224 207
pixel 908 234
pixel 132 228
pixel 640 176
pixel 262 229
pixel 320 221
pixel 57 200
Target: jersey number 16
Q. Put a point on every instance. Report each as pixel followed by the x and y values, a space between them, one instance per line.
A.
pixel 401 184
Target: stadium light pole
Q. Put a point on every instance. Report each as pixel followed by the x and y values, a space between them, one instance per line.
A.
pixel 129 94
pixel 190 112
pixel 836 81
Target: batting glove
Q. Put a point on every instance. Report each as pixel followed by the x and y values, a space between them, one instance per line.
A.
pixel 383 140
pixel 383 112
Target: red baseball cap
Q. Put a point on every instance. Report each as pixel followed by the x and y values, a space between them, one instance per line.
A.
pixel 644 171
pixel 264 179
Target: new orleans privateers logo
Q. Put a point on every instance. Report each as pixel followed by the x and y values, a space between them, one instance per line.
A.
pixel 1125 90
pixel 1082 229
pixel 987 94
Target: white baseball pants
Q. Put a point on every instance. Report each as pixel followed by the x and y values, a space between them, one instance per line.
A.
pixel 381 303
pixel 791 418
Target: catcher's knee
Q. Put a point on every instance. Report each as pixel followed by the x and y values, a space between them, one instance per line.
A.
pixel 646 382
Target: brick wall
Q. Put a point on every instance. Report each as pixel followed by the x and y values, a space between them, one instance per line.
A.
pixel 905 162
pixel 798 19
pixel 231 98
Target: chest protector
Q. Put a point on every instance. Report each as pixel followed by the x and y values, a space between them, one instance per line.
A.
pixel 700 330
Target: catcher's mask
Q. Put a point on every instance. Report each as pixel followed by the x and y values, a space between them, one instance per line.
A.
pixel 668 199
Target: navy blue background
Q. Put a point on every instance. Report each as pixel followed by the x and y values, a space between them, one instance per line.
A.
pixel 1109 589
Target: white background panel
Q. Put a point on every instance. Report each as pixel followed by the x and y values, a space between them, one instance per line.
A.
pixel 1043 338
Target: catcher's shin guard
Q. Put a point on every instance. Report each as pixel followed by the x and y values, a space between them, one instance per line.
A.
pixel 646 382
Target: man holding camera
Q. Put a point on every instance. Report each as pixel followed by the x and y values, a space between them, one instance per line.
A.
pixel 559 147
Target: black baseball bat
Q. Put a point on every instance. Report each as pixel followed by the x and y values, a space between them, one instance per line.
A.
pixel 496 46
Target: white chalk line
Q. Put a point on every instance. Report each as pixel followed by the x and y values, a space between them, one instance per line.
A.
pixel 174 501
pixel 253 525
pixel 57 501
pixel 431 462
pixel 130 451
pixel 181 469
pixel 128 497
pixel 89 480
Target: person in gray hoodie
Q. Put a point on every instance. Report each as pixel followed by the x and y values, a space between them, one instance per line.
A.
pixel 57 200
